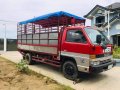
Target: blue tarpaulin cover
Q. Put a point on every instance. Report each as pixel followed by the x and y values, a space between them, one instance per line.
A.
pixel 56 14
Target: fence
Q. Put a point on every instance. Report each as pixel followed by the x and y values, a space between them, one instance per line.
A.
pixel 1 44
pixel 11 44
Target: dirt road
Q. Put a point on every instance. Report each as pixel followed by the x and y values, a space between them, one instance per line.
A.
pixel 109 80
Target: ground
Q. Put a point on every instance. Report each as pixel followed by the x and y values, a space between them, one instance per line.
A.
pixel 108 80
pixel 12 79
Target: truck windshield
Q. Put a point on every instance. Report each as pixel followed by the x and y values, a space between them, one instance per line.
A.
pixel 92 33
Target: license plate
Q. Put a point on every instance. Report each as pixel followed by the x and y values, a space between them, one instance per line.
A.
pixel 108 49
pixel 110 66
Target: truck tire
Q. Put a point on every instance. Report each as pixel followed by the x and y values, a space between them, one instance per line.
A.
pixel 70 70
pixel 29 59
pixel 23 57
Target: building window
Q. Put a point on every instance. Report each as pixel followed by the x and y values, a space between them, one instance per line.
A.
pixel 100 21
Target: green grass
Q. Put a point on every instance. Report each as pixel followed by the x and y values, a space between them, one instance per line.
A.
pixel 116 52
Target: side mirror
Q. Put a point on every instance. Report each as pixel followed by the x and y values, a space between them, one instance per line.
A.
pixel 98 39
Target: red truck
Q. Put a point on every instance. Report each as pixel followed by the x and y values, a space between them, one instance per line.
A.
pixel 60 39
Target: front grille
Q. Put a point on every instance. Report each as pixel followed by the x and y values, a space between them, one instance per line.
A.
pixel 105 61
pixel 99 55
pixel 103 55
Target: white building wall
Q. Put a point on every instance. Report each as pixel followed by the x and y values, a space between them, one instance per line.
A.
pixel 115 28
pixel 92 22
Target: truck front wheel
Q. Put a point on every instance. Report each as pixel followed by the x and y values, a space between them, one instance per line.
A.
pixel 29 59
pixel 70 70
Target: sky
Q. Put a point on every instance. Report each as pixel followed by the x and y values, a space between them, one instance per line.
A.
pixel 13 11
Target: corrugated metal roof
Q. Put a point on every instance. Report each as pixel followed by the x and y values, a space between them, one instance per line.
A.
pixel 114 6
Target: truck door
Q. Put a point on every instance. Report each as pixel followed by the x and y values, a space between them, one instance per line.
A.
pixel 75 45
pixel 74 41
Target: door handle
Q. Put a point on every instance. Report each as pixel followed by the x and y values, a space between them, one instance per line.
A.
pixel 65 50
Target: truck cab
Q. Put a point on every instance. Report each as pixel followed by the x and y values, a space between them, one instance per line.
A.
pixel 90 49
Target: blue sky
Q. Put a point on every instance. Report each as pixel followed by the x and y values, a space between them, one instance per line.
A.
pixel 19 10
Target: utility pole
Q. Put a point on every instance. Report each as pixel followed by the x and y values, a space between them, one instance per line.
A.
pixel 5 39
pixel 108 12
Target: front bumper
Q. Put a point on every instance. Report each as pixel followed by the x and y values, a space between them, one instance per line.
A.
pixel 102 67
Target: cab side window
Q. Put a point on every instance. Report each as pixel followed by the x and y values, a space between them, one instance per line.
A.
pixel 75 36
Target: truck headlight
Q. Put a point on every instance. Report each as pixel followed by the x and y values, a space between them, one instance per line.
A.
pixel 95 62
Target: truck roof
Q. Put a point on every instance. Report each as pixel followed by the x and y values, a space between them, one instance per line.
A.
pixel 53 19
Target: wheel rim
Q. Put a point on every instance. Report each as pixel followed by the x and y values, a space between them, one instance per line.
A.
pixel 69 69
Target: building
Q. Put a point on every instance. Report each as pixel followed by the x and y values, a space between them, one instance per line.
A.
pixel 107 19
